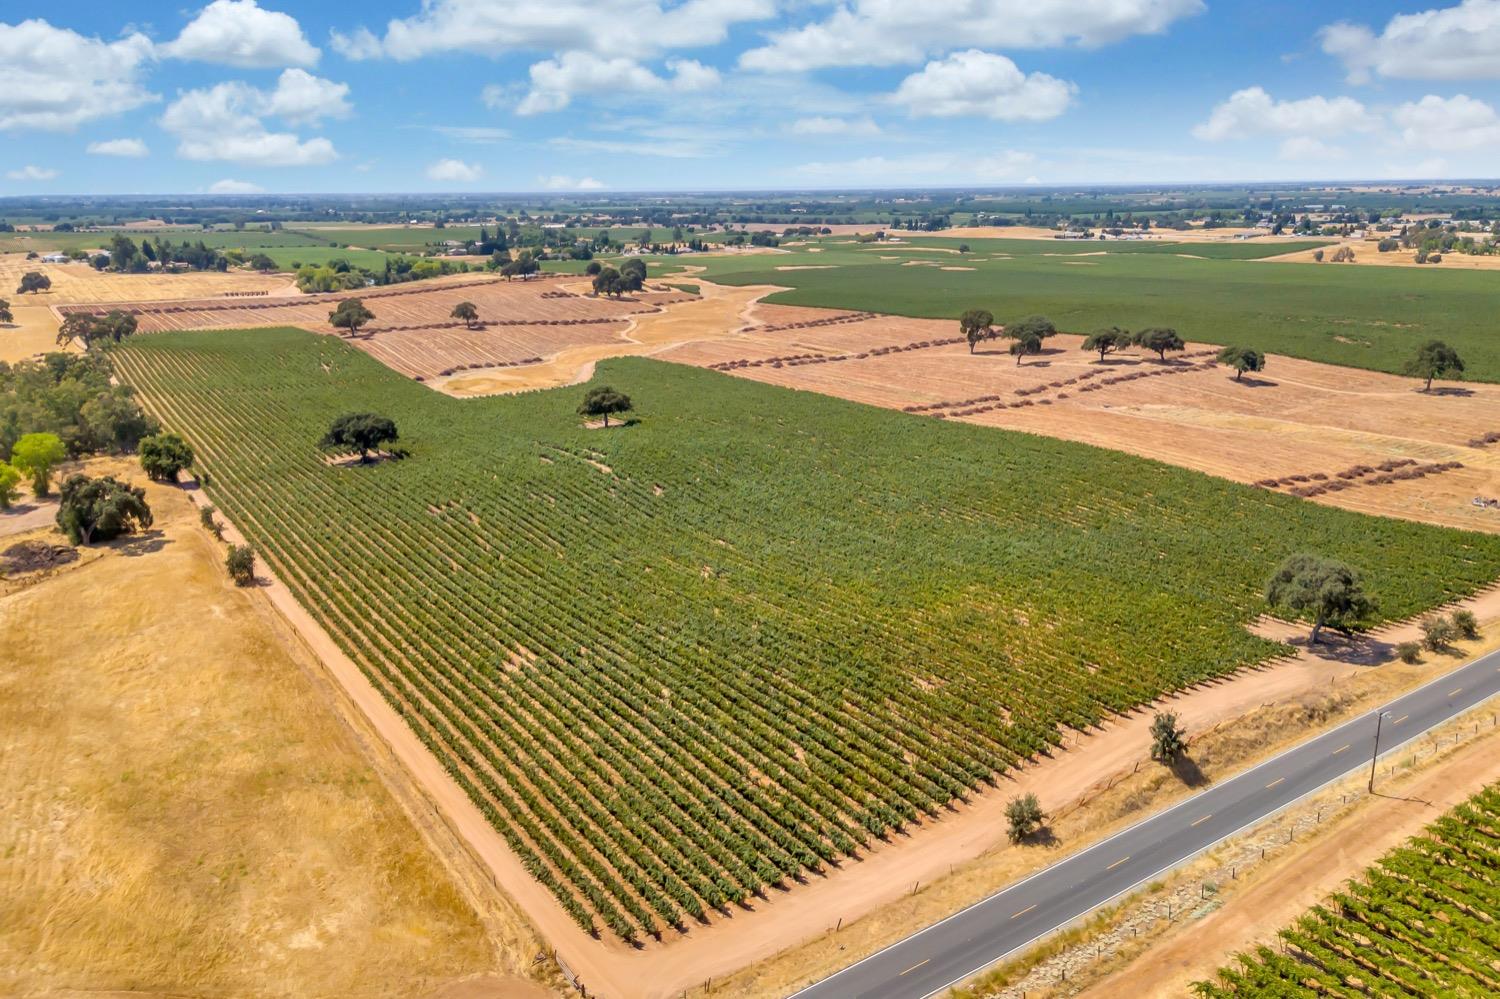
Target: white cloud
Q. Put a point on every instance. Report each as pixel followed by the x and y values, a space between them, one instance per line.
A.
pixel 303 99
pixel 454 172
pixel 633 29
pixel 240 33
pixel 926 168
pixel 224 122
pixel 1305 147
pixel 981 84
pixel 230 186
pixel 30 172
pixel 555 82
pixel 560 182
pixel 1450 43
pixel 827 125
pixel 1252 112
pixel 889 32
pixel 1450 124
pixel 127 148
pixel 55 79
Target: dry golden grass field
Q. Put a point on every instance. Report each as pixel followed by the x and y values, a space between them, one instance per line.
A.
pixel 183 811
pixel 81 284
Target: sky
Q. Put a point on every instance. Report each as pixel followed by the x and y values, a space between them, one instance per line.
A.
pixel 293 96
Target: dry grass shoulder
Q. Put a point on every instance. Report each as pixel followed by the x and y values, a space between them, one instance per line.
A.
pixel 182 811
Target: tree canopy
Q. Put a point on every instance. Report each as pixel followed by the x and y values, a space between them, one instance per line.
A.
pixel 1107 341
pixel 1434 360
pixel 112 327
pixel 1024 816
pixel 976 325
pixel 350 315
pixel 602 401
pixel 5 313
pixel 466 312
pixel 101 509
pixel 35 455
pixel 362 432
pixel 1325 588
pixel 1040 326
pixel 164 455
pixel 69 395
pixel 1025 343
pixel 1242 359
pixel 1159 339
pixel 10 483
pixel 33 281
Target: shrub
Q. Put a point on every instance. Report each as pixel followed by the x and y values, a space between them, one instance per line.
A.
pixel 1409 652
pixel 206 518
pixel 1025 815
pixel 1167 742
pixel 1437 633
pixel 1465 624
pixel 241 564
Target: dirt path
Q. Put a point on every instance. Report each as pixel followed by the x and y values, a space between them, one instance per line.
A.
pixel 28 515
pixel 887 872
pixel 1283 891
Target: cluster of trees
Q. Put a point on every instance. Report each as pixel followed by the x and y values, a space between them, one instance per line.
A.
pixel 90 329
pixel 1154 338
pixel 126 257
pixel 522 266
pixel 1025 335
pixel 341 275
pixel 69 396
pixel 629 278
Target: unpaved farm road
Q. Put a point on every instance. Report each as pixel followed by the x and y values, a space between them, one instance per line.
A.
pixel 961 946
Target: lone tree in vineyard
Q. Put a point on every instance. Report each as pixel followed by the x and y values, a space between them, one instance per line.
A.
pixel 1242 359
pixel 976 325
pixel 1160 339
pixel 1107 341
pixel 602 401
pixel 1025 343
pixel 1326 588
pixel 33 281
pixel 1434 360
pixel 350 315
pixel 1167 740
pixel 164 455
pixel 1024 815
pixel 466 312
pixel 101 509
pixel 362 432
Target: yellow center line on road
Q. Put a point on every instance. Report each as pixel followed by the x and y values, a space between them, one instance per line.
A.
pixel 1278 780
pixel 1204 819
pixel 1023 912
pixel 913 967
pixel 1454 691
pixel 1398 721
pixel 1117 863
pixel 1341 749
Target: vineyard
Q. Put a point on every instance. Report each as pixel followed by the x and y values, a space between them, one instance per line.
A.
pixel 1421 922
pixel 687 662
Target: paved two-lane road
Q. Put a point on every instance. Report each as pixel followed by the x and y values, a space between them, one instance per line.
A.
pixel 966 943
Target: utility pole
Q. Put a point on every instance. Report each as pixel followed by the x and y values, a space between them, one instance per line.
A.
pixel 1375 753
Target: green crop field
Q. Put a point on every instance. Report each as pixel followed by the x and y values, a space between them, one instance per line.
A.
pixel 1421 922
pixel 685 659
pixel 1365 317
pixel 286 256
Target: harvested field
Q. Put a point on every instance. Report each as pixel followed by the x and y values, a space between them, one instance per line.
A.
pixel 80 283
pixel 183 811
pixel 1299 423
pixel 521 322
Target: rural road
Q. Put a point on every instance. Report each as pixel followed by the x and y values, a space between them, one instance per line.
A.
pixel 956 949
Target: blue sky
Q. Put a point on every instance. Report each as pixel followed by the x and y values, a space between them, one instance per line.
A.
pixel 529 95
